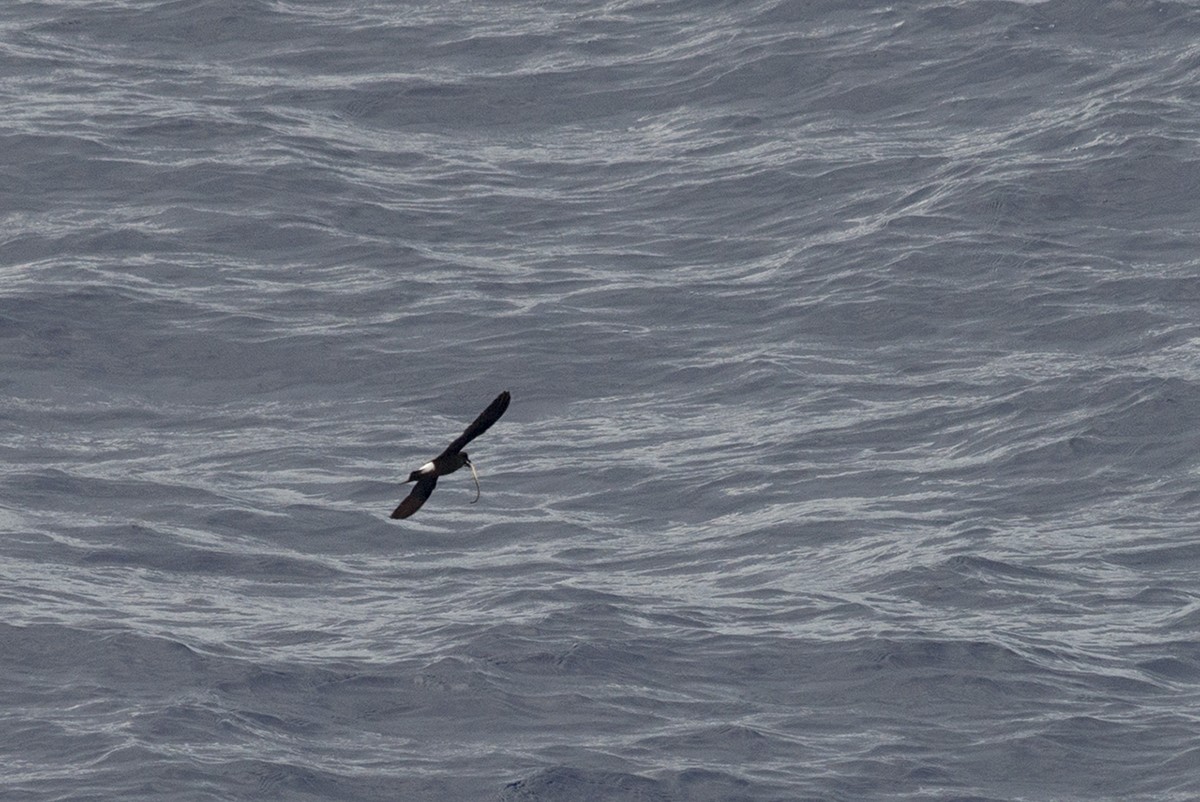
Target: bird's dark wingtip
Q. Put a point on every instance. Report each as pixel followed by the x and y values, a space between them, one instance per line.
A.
pixel 480 425
pixel 413 501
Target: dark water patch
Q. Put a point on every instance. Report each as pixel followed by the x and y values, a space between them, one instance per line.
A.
pixel 165 549
pixel 1174 661
pixel 1170 556
pixel 115 659
pixel 695 784
pixel 565 783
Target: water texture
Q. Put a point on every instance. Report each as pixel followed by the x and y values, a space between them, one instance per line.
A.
pixel 855 369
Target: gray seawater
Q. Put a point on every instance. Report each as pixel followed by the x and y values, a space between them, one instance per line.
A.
pixel 855 359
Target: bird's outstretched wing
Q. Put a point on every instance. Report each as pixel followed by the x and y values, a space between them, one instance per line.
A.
pixel 480 424
pixel 413 501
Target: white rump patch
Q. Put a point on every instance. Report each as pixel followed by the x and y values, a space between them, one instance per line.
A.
pixel 427 468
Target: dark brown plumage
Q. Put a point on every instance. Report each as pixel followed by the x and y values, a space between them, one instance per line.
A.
pixel 450 460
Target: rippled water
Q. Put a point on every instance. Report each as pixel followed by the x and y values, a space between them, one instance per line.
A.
pixel 855 365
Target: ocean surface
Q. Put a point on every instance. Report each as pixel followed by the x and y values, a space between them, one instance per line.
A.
pixel 854 451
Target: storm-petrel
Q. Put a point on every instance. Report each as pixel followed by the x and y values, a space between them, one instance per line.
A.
pixel 451 459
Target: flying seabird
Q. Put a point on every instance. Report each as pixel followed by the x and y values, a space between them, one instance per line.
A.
pixel 450 460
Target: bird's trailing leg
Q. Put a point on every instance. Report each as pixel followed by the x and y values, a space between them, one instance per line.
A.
pixel 471 465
